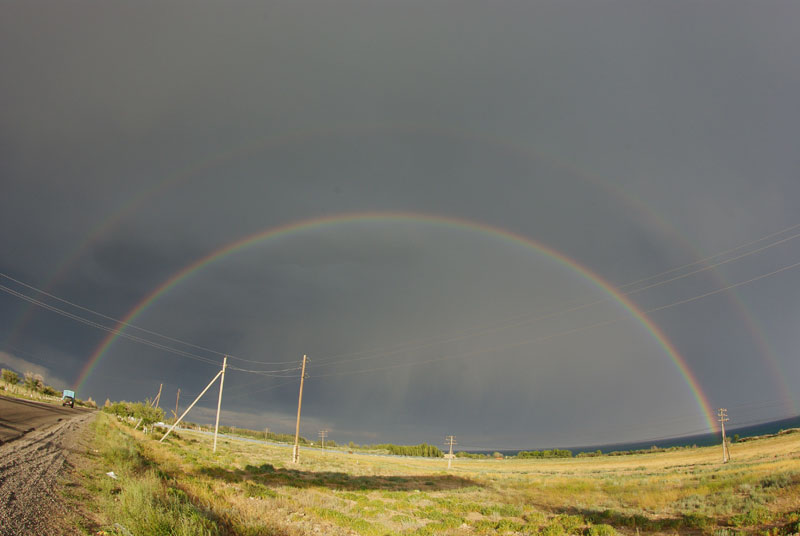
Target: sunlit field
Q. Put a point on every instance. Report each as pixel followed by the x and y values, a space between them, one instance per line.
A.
pixel 181 487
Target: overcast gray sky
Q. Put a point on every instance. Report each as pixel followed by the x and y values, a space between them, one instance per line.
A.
pixel 630 137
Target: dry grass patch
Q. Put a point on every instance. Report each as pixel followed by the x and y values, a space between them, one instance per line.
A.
pixel 252 488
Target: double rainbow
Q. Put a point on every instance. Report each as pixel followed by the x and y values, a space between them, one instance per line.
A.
pixel 513 148
pixel 407 217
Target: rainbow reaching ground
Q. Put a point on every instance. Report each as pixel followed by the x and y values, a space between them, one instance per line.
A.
pixel 407 217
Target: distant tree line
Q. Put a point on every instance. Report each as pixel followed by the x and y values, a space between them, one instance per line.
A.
pixel 652 450
pixel 480 456
pixel 475 455
pixel 10 376
pixel 423 449
pixel 590 454
pixel 35 383
pixel 32 381
pixel 135 410
pixel 554 453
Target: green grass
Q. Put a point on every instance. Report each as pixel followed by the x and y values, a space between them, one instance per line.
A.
pixel 181 487
pixel 140 500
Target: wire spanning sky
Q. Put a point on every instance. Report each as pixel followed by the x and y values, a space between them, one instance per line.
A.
pixel 526 224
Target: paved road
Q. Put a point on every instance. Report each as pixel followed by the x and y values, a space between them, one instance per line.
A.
pixel 18 417
pixel 44 436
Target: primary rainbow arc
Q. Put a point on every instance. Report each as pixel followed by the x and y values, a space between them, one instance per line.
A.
pixel 283 230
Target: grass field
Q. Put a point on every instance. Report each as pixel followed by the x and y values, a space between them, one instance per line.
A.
pixel 181 487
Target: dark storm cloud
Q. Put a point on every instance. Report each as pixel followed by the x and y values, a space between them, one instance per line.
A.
pixel 632 137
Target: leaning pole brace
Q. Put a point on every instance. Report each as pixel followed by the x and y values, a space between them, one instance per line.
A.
pixel 191 406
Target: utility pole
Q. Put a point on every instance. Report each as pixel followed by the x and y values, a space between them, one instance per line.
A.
pixel 158 396
pixel 322 435
pixel 451 440
pixel 266 433
pixel 177 399
pixel 723 418
pixel 219 403
pixel 296 450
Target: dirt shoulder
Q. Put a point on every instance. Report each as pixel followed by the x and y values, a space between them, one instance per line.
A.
pixel 30 467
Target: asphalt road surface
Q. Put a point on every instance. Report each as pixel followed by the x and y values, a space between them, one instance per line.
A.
pixel 18 417
pixel 36 441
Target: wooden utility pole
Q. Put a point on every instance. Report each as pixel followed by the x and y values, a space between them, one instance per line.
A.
pixel 266 433
pixel 296 450
pixel 219 402
pixel 322 435
pixel 723 418
pixel 177 399
pixel 158 396
pixel 451 440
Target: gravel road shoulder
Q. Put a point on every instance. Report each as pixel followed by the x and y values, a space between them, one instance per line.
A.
pixel 29 468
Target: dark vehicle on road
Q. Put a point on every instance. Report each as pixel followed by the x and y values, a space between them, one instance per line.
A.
pixel 68 398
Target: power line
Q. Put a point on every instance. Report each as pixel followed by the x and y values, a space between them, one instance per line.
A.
pixel 406 346
pixel 277 374
pixel 118 331
pixel 706 259
pixel 101 315
pixel 108 329
pixel 375 369
pixel 132 326
pixel 559 334
pixel 708 267
pixel 252 392
pixel 529 320
pixel 105 328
